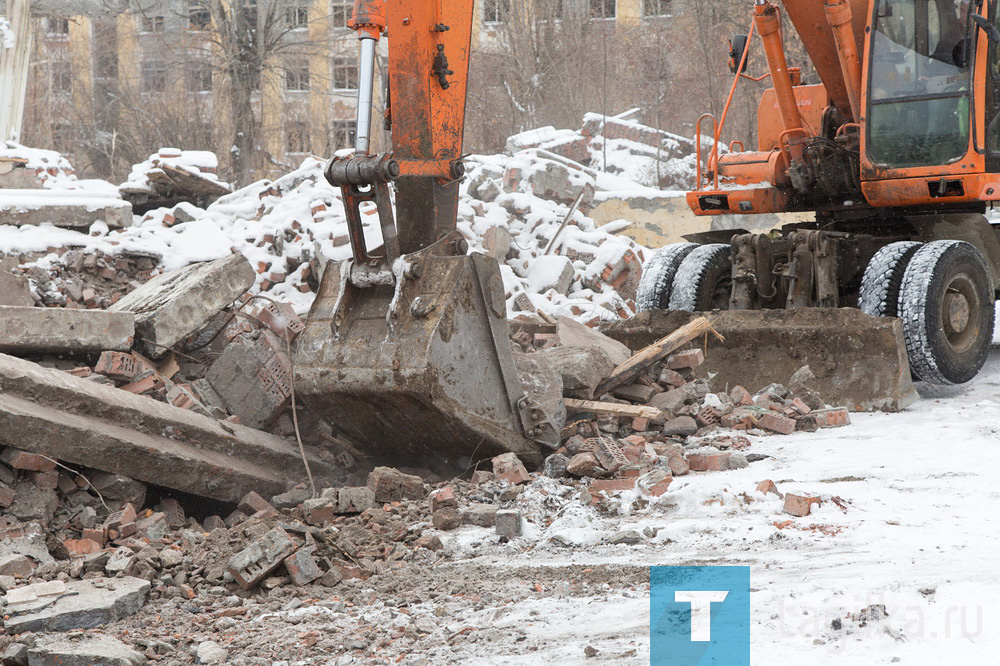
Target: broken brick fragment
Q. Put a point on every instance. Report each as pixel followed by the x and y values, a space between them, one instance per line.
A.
pixel 776 423
pixel 507 467
pixel 800 505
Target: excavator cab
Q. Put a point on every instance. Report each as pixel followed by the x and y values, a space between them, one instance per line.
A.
pixel 406 350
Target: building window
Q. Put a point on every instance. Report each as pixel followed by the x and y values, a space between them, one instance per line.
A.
pixel 154 77
pixel 63 135
pixel 199 18
pixel 152 24
pixel 342 135
pixel 199 77
pixel 656 7
pixel 603 9
pixel 297 77
pixel 340 13
pixel 297 137
pixel 56 26
pixel 345 74
pixel 62 76
pixel 297 16
pixel 495 11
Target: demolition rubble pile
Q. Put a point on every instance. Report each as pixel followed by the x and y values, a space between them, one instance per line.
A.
pixel 518 208
pixel 638 420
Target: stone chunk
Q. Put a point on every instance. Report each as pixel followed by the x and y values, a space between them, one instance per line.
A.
pixel 509 524
pixel 448 518
pixel 87 604
pixel 14 290
pixel 390 485
pixel 64 331
pixel 583 464
pixel 18 566
pixel 174 305
pixel 302 566
pixel 355 500
pixel 481 515
pixel 581 368
pixel 83 650
pixel 682 425
pixel 507 467
pixel 574 334
pixel 255 562
pixel 253 503
pixel 635 393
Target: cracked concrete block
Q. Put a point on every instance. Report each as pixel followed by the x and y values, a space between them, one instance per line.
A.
pixel 84 650
pixel 26 330
pixel 87 604
pixel 172 306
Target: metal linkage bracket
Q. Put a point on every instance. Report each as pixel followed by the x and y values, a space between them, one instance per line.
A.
pixel 362 179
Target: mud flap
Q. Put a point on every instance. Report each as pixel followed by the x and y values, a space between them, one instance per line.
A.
pixel 859 361
pixel 420 373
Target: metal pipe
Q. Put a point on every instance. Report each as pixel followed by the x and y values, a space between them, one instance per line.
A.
pixel 768 23
pixel 838 15
pixel 366 91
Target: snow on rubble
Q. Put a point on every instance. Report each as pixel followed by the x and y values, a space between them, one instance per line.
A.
pixel 515 207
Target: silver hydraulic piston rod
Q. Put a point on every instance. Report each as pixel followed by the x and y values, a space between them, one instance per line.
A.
pixel 366 87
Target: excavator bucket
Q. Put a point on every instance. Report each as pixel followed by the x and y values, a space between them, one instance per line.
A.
pixel 421 372
pixel 858 361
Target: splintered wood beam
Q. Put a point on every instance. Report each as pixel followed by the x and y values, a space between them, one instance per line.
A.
pixel 611 408
pixel 629 370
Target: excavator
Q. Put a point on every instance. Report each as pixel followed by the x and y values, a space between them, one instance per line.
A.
pixel 896 150
pixel 406 349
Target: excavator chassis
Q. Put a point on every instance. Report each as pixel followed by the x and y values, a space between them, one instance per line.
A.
pixel 414 364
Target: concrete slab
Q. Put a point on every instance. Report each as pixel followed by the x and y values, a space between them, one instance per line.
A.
pixel 30 330
pixel 63 208
pixel 48 411
pixel 174 305
pixel 85 650
pixel 86 604
pixel 14 290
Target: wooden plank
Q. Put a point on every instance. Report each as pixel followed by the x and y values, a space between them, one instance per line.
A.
pixel 611 408
pixel 632 368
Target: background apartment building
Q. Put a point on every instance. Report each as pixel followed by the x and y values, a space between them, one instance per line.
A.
pixel 264 83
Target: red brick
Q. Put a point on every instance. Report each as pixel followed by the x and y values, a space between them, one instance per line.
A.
pixel 443 498
pixel 800 407
pixel 832 418
pixel 119 518
pixel 740 396
pixel 48 480
pixel 509 468
pixel 765 401
pixel 689 358
pixel 95 535
pixel 800 505
pixel 767 486
pixel 640 424
pixel 611 485
pixel 252 503
pixel 708 462
pixel 118 366
pixel 28 461
pixel 776 423
pixel 82 546
pixel 302 566
pixel 145 384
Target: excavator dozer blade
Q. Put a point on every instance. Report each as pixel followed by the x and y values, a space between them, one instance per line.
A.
pixel 420 373
pixel 859 361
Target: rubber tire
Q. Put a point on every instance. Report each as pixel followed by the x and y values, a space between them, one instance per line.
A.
pixel 928 275
pixel 657 279
pixel 698 277
pixel 884 277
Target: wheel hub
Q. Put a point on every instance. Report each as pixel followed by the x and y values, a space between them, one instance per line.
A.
pixel 960 312
pixel 957 308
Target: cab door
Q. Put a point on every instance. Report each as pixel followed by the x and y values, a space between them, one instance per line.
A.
pixel 992 97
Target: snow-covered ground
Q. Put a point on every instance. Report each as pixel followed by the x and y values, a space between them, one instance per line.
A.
pixel 918 534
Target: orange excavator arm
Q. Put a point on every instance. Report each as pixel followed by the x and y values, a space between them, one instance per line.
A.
pixel 429 44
